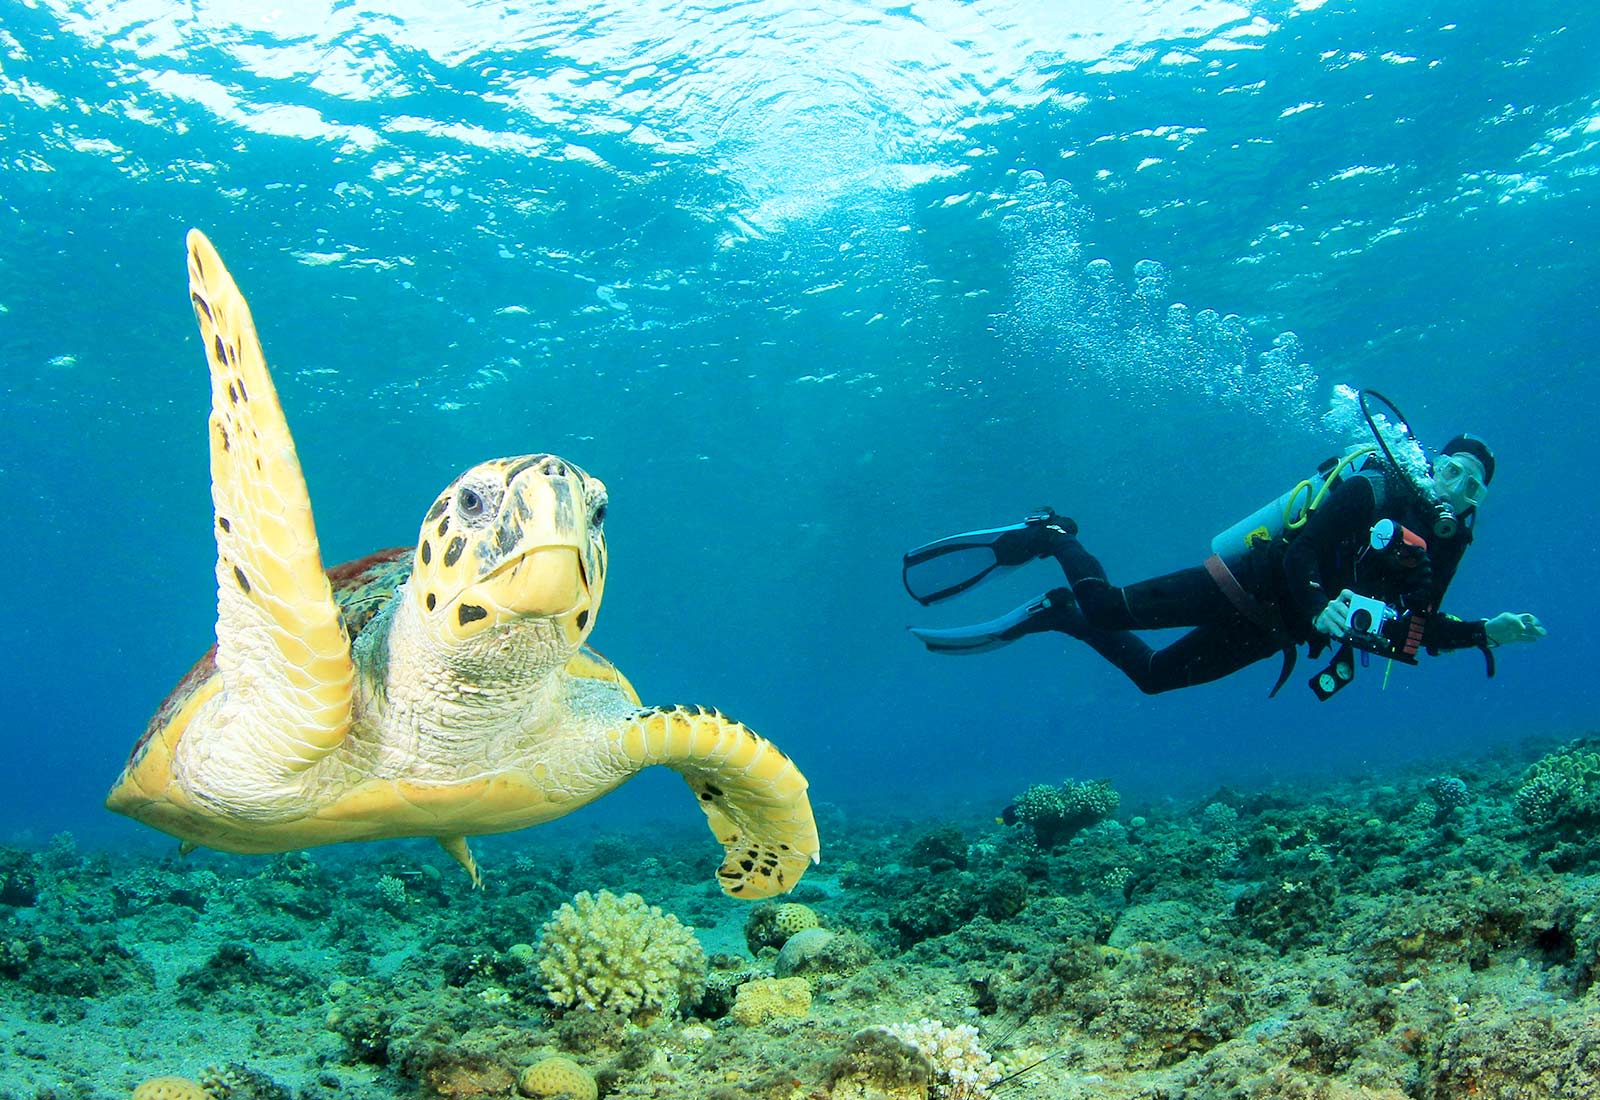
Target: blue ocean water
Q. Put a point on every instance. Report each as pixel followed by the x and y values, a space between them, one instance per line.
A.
pixel 806 285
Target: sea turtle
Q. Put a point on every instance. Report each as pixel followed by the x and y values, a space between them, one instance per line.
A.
pixel 445 691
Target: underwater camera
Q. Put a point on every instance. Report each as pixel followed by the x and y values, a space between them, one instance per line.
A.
pixel 1375 627
pixel 1370 625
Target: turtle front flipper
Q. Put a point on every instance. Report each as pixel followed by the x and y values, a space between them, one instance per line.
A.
pixel 753 796
pixel 281 649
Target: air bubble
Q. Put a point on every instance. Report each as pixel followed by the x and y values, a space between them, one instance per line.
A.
pixel 1122 327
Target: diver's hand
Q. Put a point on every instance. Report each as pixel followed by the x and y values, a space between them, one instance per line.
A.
pixel 1508 627
pixel 1334 620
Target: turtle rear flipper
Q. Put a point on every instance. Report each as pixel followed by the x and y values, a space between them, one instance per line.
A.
pixel 753 796
pixel 281 649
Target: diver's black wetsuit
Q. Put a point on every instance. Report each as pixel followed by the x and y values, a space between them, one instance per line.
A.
pixel 1292 583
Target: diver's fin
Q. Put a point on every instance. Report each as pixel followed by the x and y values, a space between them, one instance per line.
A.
pixel 1055 610
pixel 949 566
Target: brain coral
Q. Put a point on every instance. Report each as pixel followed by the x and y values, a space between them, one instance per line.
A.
pixel 621 955
pixel 772 925
pixel 170 1088
pixel 558 1078
pixel 801 949
pixel 771 998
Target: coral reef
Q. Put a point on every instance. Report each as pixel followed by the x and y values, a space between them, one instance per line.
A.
pixel 801 951
pixel 877 1064
pixel 771 924
pixel 1448 792
pixel 960 1068
pixel 1528 1058
pixel 557 1078
pixel 620 955
pixel 171 1088
pixel 1562 787
pixel 1054 814
pixel 1405 937
pixel 823 957
pixel 756 1002
pixel 726 975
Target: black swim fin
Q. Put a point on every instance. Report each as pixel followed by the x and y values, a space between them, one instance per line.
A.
pixel 949 566
pixel 1055 610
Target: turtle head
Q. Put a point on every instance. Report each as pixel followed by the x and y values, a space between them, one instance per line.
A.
pixel 511 541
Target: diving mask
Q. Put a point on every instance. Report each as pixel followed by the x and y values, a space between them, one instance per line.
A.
pixel 1459 479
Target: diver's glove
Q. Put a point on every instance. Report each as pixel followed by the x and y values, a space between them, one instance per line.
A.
pixel 1334 620
pixel 1508 627
pixel 1036 538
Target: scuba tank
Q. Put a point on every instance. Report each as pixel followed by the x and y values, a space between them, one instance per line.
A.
pixel 1281 517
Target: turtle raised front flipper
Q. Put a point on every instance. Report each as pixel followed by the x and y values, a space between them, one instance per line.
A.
pixel 282 652
pixel 753 796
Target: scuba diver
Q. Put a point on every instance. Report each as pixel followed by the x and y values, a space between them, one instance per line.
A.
pixel 1357 558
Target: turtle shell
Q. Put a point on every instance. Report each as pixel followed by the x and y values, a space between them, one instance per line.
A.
pixel 361 588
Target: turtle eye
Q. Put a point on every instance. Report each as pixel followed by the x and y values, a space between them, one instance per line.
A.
pixel 470 503
pixel 599 516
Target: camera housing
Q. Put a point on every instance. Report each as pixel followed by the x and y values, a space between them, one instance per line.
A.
pixel 1368 615
pixel 1375 627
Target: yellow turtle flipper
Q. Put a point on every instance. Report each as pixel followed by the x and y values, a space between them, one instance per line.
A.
pixel 281 649
pixel 753 796
pixel 588 664
pixel 457 847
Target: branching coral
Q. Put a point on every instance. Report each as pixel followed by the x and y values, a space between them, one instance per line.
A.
pixel 962 1069
pixel 1564 783
pixel 620 955
pixel 1055 813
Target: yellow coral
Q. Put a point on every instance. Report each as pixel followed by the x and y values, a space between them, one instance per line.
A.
pixel 619 954
pixel 771 925
pixel 558 1078
pixel 754 1003
pixel 792 917
pixel 170 1088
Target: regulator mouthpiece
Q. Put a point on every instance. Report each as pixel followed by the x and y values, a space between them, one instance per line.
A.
pixel 1445 524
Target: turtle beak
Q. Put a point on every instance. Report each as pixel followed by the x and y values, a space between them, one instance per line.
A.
pixel 545 581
